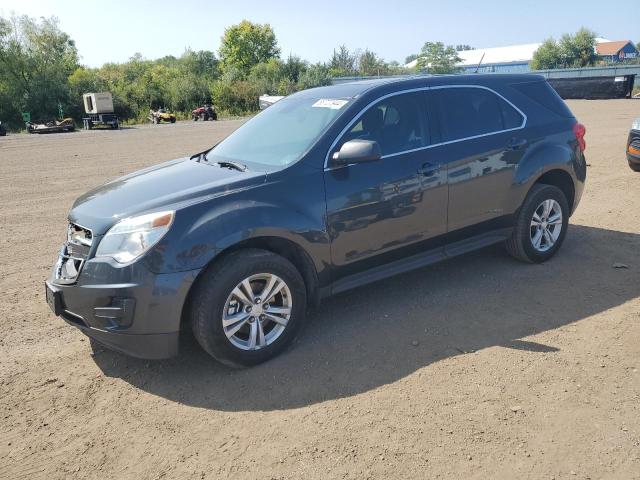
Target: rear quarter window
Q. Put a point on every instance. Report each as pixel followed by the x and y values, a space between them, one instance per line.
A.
pixel 543 94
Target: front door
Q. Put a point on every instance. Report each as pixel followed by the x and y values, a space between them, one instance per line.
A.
pixel 381 211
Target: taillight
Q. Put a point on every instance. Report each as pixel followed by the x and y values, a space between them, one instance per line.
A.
pixel 579 131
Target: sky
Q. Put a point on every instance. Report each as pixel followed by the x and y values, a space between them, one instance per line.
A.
pixel 114 30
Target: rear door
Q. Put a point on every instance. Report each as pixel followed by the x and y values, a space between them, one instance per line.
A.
pixel 481 141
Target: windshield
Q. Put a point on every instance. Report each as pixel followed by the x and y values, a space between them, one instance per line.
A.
pixel 281 134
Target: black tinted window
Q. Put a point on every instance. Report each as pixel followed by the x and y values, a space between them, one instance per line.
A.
pixel 543 94
pixel 511 118
pixel 466 112
pixel 397 123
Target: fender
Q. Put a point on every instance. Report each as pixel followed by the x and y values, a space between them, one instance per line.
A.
pixel 202 231
pixel 542 157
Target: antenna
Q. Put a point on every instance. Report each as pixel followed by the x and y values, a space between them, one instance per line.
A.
pixel 481 58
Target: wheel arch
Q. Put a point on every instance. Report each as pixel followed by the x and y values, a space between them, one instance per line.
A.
pixel 286 248
pixel 561 179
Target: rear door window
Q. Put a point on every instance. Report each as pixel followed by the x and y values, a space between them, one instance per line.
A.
pixel 467 112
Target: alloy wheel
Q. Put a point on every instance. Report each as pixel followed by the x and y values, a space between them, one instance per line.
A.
pixel 257 311
pixel 546 225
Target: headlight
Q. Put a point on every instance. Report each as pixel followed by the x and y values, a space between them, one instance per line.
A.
pixel 131 237
pixel 636 124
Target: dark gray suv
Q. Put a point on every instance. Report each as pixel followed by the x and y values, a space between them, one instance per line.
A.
pixel 326 190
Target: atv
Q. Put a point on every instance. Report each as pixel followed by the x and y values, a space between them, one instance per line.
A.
pixel 204 113
pixel 160 115
pixel 54 126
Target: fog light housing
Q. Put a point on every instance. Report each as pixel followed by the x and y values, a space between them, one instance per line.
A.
pixel 118 314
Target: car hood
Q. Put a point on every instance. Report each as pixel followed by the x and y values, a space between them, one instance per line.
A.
pixel 168 185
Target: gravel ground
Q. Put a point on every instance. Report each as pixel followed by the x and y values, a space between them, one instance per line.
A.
pixel 479 367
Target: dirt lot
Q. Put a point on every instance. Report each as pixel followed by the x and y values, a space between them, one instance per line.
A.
pixel 520 371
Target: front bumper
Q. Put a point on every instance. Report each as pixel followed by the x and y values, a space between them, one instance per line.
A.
pixel 129 309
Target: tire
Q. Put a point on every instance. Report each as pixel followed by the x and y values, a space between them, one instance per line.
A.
pixel 195 118
pixel 634 166
pixel 173 120
pixel 522 243
pixel 213 298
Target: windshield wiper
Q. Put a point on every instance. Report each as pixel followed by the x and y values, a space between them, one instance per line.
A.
pixel 202 157
pixel 235 165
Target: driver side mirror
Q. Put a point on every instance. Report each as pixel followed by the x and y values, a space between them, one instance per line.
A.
pixel 356 151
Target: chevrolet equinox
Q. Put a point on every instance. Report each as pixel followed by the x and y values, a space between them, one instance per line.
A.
pixel 326 190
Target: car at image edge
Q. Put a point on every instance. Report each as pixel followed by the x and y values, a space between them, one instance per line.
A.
pixel 633 146
pixel 326 190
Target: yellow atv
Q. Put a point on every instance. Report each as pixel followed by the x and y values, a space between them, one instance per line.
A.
pixel 160 115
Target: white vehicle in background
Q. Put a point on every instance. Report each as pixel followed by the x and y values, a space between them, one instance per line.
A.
pixel 268 100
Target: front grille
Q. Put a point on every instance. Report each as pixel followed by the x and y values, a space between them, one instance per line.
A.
pixel 635 143
pixel 73 254
pixel 79 235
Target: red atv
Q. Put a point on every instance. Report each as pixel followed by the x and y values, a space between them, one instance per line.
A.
pixel 204 113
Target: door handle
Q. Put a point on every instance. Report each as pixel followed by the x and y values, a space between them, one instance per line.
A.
pixel 516 143
pixel 428 169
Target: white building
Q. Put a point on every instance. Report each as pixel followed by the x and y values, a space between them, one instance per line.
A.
pixel 514 58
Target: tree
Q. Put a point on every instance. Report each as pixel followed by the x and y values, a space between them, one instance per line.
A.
pixel 293 68
pixel 201 62
pixel 577 50
pixel 464 47
pixel 546 56
pixel 36 59
pixel 247 44
pixel 410 58
pixel 343 62
pixel 369 64
pixel 435 57
pixel 315 76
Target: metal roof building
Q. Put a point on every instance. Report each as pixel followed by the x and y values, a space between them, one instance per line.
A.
pixel 510 59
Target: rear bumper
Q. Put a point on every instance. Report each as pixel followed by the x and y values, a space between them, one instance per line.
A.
pixel 128 309
pixel 633 146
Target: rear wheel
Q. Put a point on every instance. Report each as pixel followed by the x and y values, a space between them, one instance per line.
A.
pixel 248 307
pixel 541 225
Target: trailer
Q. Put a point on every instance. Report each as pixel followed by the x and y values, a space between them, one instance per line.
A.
pixel 99 110
pixel 54 126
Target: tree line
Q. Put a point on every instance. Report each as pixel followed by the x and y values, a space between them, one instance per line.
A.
pixel 41 73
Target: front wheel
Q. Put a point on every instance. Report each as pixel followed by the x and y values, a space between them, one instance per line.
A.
pixel 634 166
pixel 248 307
pixel 541 225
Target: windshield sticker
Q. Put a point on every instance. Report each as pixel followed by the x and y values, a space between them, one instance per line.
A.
pixel 332 103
